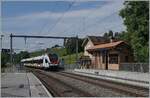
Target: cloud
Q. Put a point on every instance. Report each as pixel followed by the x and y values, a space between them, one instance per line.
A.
pixel 74 22
pixel 91 17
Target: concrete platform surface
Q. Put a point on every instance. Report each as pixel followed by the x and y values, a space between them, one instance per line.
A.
pixel 133 78
pixel 22 85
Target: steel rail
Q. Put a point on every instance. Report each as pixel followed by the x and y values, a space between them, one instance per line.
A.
pixel 49 87
pixel 119 87
pixel 54 91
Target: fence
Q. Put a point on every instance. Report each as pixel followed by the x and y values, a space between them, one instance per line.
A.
pixel 71 66
pixel 135 67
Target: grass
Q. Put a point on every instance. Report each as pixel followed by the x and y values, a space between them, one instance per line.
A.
pixel 71 59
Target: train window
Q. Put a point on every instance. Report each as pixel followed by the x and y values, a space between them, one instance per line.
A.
pixel 53 57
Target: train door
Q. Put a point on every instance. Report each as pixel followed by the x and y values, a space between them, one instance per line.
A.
pixel 46 64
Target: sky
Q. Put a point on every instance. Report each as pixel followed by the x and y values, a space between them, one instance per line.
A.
pixel 58 18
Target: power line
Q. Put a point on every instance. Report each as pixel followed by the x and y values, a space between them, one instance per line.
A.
pixel 60 18
pixel 90 25
pixel 46 23
pixel 98 21
pixel 84 18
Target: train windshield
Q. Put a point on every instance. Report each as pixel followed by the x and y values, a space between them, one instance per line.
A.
pixel 53 58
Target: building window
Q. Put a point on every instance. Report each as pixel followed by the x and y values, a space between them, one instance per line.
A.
pixel 113 58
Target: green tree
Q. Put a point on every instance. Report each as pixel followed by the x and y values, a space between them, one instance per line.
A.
pixel 70 45
pixel 116 35
pixel 21 55
pixel 105 35
pixel 4 59
pixel 55 46
pixel 110 33
pixel 136 18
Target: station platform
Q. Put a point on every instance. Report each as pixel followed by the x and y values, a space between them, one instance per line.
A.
pixel 22 85
pixel 132 78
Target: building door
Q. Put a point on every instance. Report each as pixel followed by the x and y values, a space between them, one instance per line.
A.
pixel 106 57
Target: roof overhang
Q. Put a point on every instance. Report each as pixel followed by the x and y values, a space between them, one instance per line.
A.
pixel 101 49
pixel 106 46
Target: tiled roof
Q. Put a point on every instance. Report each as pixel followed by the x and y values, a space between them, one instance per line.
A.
pixel 106 45
pixel 98 39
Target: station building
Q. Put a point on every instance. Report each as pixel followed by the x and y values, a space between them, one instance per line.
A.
pixel 105 53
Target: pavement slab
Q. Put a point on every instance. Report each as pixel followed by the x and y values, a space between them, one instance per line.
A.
pixel 22 85
pixel 133 78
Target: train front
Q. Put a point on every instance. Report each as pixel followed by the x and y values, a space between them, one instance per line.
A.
pixel 54 61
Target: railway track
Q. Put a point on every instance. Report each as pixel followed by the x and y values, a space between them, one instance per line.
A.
pixel 119 87
pixel 59 88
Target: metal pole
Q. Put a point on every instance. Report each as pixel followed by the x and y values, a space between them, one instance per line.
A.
pixel 11 50
pixel 77 51
pixel 1 41
pixel 69 57
pixel 25 40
